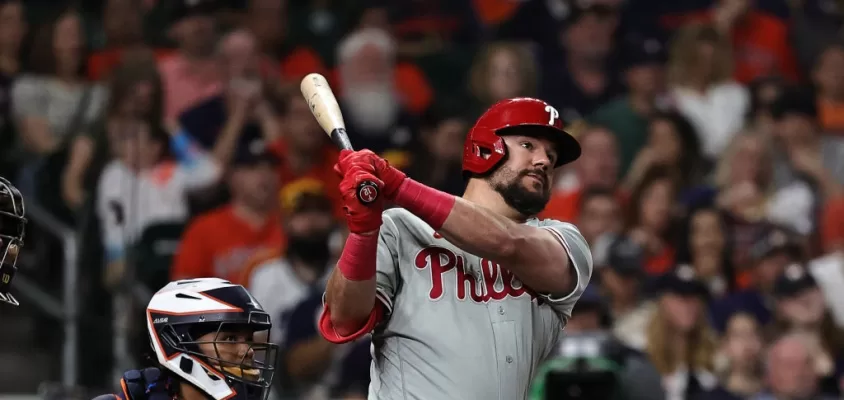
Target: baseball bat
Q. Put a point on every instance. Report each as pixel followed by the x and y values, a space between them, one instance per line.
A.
pixel 325 109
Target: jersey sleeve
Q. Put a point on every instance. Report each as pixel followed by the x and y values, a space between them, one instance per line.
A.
pixel 580 259
pixel 387 263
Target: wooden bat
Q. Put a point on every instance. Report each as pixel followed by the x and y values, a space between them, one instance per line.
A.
pixel 325 109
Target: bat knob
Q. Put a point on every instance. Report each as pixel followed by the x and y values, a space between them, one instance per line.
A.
pixel 367 192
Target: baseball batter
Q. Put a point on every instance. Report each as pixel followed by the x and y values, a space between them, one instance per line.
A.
pixel 464 296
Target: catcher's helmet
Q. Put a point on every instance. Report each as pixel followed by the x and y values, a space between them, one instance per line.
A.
pixel 484 148
pixel 183 312
pixel 12 224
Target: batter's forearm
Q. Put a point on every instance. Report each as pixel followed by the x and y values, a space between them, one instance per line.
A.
pixel 350 294
pixel 469 226
pixel 480 231
pixel 349 302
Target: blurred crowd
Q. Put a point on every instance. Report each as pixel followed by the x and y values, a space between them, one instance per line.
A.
pixel 171 135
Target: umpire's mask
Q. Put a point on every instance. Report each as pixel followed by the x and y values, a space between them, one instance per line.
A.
pixel 12 224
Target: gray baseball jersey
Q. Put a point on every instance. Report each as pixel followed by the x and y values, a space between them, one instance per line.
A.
pixel 458 326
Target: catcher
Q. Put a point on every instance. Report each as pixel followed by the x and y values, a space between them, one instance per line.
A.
pixel 203 334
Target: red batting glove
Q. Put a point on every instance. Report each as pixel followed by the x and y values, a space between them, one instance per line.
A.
pixel 391 176
pixel 361 218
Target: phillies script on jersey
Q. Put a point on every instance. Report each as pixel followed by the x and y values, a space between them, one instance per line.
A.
pixel 448 268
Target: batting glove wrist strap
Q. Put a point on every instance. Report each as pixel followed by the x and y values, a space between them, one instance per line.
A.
pixel 429 204
pixel 357 263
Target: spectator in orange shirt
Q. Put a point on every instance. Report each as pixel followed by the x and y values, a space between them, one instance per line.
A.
pixel 828 76
pixel 596 167
pixel 760 41
pixel 305 151
pixel 220 242
pixel 191 74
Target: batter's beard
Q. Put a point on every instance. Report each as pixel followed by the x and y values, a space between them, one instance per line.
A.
pixel 509 184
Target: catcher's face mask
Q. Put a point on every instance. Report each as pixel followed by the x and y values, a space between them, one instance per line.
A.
pixel 12 224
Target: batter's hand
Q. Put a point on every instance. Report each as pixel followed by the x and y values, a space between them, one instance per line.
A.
pixel 389 175
pixel 381 168
pixel 361 218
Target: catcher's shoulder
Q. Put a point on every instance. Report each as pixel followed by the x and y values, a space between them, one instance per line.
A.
pixel 107 397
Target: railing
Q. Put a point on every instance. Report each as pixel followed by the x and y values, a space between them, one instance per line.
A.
pixel 66 310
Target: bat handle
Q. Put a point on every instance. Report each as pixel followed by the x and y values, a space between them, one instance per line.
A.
pixel 368 191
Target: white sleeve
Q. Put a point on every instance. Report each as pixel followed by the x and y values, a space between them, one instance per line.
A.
pixel 387 263
pixel 580 259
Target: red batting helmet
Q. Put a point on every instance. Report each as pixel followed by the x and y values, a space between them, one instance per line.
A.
pixel 484 148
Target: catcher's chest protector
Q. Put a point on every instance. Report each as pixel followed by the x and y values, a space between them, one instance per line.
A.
pixel 146 384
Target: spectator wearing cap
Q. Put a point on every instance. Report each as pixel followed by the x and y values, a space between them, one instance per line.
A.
pixel 378 99
pixel 590 315
pixel 627 117
pixel 680 342
pixel 220 242
pixel 595 170
pixel 705 248
pixel 673 143
pixel 771 251
pixel 305 152
pixel 800 308
pixel 702 87
pixel 502 70
pixel 436 162
pixel 191 74
pixel 579 79
pixel 243 111
pixel 790 371
pixel 142 187
pixel 828 77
